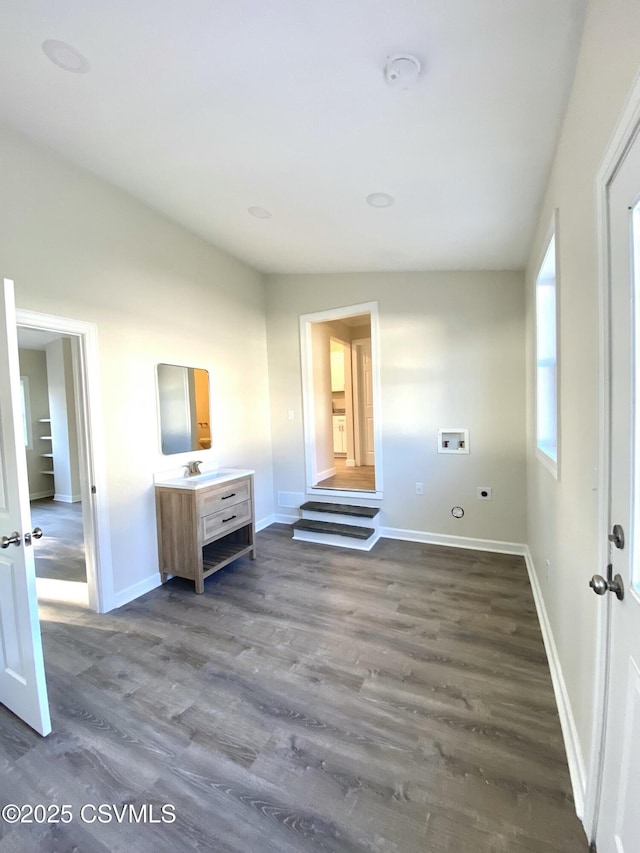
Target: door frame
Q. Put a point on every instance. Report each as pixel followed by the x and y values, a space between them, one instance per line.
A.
pixel 625 131
pixel 92 460
pixel 308 408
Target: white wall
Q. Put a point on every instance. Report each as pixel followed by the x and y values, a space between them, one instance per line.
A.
pixel 453 356
pixel 562 515
pixel 64 429
pixel 33 364
pixel 81 249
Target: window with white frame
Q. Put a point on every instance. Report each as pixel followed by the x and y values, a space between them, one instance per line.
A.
pixel 547 360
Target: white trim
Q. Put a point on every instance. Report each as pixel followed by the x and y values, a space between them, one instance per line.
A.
pixel 547 462
pixel 308 408
pixel 495 545
pixel 621 138
pixel 575 758
pixel 280 518
pixel 95 507
pixel 349 494
pixel 268 520
pixel 118 599
pixel 324 475
pixel 67 499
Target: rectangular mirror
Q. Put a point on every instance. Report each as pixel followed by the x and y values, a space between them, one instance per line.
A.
pixel 183 404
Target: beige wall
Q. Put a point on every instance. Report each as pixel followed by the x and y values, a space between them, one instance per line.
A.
pixel 78 248
pixel 562 515
pixel 452 355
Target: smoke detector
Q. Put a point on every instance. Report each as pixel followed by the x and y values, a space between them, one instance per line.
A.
pixel 402 72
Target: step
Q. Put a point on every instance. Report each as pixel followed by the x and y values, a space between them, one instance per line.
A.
pixel 341 509
pixel 351 530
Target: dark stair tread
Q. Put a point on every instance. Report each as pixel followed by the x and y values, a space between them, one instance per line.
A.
pixel 341 509
pixel 352 530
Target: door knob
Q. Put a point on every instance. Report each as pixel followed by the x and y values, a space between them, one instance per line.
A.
pixel 599 585
pixel 14 539
pixel 36 533
pixel 612 584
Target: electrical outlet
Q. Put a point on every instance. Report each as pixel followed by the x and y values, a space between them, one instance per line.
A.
pixel 290 415
pixel 419 489
pixel 547 568
pixel 484 493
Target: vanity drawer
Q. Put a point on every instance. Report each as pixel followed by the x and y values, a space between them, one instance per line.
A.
pixel 231 517
pixel 225 496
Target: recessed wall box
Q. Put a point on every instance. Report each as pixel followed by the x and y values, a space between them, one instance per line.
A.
pixel 452 440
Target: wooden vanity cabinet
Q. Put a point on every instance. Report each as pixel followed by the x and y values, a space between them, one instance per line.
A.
pixel 202 530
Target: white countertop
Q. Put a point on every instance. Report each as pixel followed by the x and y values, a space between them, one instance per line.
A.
pixel 200 481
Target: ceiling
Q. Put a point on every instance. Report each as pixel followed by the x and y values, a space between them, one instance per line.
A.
pixel 204 108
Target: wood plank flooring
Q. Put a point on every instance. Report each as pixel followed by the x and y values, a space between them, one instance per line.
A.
pixel 362 478
pixel 396 701
pixel 60 554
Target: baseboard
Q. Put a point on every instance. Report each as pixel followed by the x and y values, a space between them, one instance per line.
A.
pixel 134 591
pixel 281 518
pixel 36 496
pixel 351 463
pixel 567 721
pixel 67 499
pixel 265 522
pixel 447 541
pixel 324 475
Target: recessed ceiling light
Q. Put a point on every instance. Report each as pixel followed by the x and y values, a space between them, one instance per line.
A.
pixel 402 72
pixel 65 56
pixel 260 212
pixel 380 200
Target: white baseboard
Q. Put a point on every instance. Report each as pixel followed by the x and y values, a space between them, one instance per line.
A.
pixel 324 475
pixel 265 522
pixel 281 518
pixel 67 499
pixel 494 545
pixel 134 591
pixel 351 463
pixel 567 721
pixel 36 496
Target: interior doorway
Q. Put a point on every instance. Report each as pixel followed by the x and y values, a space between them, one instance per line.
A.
pixel 58 365
pixel 48 376
pixel 340 373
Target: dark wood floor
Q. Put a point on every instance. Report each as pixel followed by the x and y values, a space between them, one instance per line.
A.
pixel 396 701
pixel 362 478
pixel 60 554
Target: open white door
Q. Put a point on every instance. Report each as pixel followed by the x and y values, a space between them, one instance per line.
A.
pixel 23 687
pixel 618 829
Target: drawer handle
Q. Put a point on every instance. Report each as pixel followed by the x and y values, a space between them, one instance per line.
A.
pixel 231 517
pixel 226 497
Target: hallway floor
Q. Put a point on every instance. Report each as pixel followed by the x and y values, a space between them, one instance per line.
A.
pixel 60 554
pixel 360 479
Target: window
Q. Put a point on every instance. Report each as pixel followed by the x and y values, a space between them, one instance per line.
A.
pixel 546 360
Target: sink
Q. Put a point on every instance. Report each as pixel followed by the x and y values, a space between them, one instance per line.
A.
pixel 197 481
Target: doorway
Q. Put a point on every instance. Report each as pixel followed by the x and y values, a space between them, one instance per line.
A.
pixel 58 361
pixel 341 401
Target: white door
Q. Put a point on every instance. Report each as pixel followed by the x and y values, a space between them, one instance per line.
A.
pixel 22 682
pixel 619 815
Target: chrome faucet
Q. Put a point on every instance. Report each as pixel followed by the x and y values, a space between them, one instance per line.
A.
pixel 193 468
